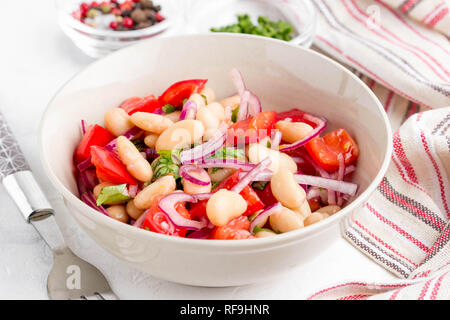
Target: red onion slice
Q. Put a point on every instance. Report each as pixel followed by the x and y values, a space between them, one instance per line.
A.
pixel 312 193
pixel 202 196
pixel 89 178
pixel 330 184
pixel 265 214
pixel 138 223
pixel 204 233
pixel 255 104
pixel 243 106
pixel 186 173
pixel 89 199
pixel 276 139
pixel 206 149
pixel 320 122
pixel 189 110
pixel 251 175
pixel 341 173
pixel 238 81
pixel 167 205
pixel 83 127
pixel 226 163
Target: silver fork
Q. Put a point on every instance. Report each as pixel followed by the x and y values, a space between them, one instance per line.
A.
pixel 70 277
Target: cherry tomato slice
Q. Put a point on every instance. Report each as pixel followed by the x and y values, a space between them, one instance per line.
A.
pixel 95 136
pixel 236 229
pixel 157 221
pixel 179 91
pixel 253 129
pixel 109 168
pixel 136 104
pixel 325 150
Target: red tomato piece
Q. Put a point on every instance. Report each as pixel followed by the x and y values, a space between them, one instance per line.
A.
pixel 157 221
pixel 325 150
pixel 296 115
pixel 109 168
pixel 314 204
pixel 179 91
pixel 263 121
pixel 236 229
pixel 267 196
pixel 253 129
pixel 136 104
pixel 95 136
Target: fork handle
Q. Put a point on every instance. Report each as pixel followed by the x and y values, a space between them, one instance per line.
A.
pixel 28 196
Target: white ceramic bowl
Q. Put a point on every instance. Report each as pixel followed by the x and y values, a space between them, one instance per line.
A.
pixel 283 76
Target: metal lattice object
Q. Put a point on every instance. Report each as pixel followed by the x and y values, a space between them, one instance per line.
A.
pixel 11 157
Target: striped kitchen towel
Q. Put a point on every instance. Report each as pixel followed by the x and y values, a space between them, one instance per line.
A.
pixel 401 50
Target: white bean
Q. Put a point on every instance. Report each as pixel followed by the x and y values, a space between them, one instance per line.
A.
pixel 209 94
pixel 304 210
pixel 117 121
pixel 285 220
pixel 162 186
pixel 330 210
pixel 217 109
pixel 136 164
pixel 258 152
pixel 314 218
pixel 232 101
pixel 286 190
pixel 132 210
pixel 199 100
pixel 151 122
pixel 224 206
pixel 173 116
pixel 209 121
pixel 192 188
pixel 265 233
pixel 118 212
pixel 182 134
pixel 220 174
pixel 150 140
pixel 293 131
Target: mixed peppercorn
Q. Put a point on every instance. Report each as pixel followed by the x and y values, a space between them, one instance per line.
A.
pixel 119 15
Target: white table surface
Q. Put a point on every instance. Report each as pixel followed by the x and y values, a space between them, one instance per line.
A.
pixel 36 58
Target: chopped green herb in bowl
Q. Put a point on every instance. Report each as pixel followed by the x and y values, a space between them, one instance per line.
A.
pixel 267 28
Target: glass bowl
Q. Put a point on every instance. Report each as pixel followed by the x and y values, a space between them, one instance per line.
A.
pixel 99 42
pixel 301 14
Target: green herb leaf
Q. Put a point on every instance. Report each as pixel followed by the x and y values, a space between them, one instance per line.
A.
pixel 164 165
pixel 228 153
pixel 206 99
pixel 257 229
pixel 234 114
pixel 113 195
pixel 260 185
pixel 139 144
pixel 214 184
pixel 168 108
pixel 267 28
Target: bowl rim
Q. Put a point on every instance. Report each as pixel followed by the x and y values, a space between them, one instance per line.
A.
pixel 245 244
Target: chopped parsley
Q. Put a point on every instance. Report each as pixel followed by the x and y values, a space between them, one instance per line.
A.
pixel 280 29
